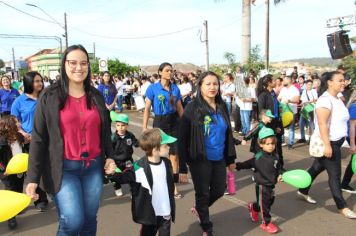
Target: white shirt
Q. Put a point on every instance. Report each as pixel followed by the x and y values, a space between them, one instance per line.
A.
pixel 185 88
pixel 228 88
pixel 287 94
pixel 247 106
pixel 144 87
pixel 160 195
pixel 120 87
pixel 311 94
pixel 338 118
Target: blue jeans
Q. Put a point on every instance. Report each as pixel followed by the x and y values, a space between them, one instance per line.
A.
pixel 291 132
pixel 302 124
pixel 229 108
pixel 245 121
pixel 119 102
pixel 78 199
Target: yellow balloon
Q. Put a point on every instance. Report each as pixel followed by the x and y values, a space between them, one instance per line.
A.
pixel 287 118
pixel 18 164
pixel 12 203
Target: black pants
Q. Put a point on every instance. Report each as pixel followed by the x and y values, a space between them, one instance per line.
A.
pixel 13 182
pixel 163 227
pixel 122 165
pixel 333 167
pixel 265 199
pixel 348 172
pixel 127 99
pixel 170 125
pixel 237 119
pixel 279 149
pixel 209 179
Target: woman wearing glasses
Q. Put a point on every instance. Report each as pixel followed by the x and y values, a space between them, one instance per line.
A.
pixel 70 143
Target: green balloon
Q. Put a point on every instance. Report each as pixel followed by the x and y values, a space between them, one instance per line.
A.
pixel 354 163
pixel 297 178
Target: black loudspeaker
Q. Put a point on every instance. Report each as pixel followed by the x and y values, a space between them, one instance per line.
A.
pixel 339 44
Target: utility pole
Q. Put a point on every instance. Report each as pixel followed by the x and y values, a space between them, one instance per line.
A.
pixel 267 35
pixel 206 44
pixel 65 29
pixel 13 59
pixel 94 51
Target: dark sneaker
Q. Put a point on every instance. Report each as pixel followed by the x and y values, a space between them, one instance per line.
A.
pixel 302 140
pixel 290 146
pixel 12 223
pixel 348 189
pixel 253 213
pixel 270 228
pixel 41 206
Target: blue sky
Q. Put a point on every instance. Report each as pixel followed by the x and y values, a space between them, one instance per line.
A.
pixel 297 28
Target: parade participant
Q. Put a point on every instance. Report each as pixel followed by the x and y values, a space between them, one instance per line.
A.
pixel 123 143
pixel 119 84
pixel 267 174
pixel 185 90
pixel 10 145
pixel 228 91
pixel 309 96
pixel 70 143
pixel 266 118
pixel 345 184
pixel 7 96
pixel 165 99
pixel 267 100
pixel 152 184
pixel 206 144
pixel 23 109
pixel 331 123
pixel 246 106
pixel 108 90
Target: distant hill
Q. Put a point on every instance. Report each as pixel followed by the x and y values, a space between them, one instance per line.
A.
pixel 315 61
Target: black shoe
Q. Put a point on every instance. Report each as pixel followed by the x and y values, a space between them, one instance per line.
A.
pixel 290 146
pixel 41 206
pixel 348 189
pixel 302 140
pixel 12 223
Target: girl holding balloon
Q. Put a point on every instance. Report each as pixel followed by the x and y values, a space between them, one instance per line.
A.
pixel 10 145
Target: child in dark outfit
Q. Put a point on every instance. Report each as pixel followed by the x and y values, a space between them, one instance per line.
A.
pixel 267 173
pixel 123 142
pixel 152 184
pixel 266 118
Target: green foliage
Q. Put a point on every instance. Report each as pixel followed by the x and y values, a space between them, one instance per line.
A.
pixel 2 63
pixel 115 66
pixel 231 60
pixel 22 72
pixel 349 63
pixel 217 70
pixel 255 61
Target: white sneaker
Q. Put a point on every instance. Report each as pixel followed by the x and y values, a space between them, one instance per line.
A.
pixel 307 198
pixel 348 213
pixel 119 192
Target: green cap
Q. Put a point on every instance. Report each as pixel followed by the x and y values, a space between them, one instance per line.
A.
pixel 124 118
pixel 166 138
pixel 269 114
pixel 265 133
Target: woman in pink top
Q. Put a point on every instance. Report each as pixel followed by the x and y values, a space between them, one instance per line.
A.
pixel 70 144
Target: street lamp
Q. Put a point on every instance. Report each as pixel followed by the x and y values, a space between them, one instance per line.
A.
pixel 65 35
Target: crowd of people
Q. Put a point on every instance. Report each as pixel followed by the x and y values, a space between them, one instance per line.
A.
pixel 66 129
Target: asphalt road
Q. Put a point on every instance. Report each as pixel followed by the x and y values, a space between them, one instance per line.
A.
pixel 229 214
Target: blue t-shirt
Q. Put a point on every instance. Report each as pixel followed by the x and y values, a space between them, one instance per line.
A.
pixel 159 98
pixel 352 112
pixel 107 92
pixel 24 110
pixel 7 97
pixel 214 137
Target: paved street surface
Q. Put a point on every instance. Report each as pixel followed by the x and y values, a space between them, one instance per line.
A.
pixel 229 214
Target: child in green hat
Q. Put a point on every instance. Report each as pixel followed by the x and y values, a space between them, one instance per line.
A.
pixel 267 174
pixel 123 142
pixel 152 184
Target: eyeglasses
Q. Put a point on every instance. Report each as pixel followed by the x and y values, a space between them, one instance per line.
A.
pixel 73 64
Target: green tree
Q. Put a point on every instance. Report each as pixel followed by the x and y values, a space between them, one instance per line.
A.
pixel 349 63
pixel 2 63
pixel 115 67
pixel 231 60
pixel 255 61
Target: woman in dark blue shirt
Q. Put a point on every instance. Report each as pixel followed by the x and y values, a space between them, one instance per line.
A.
pixel 7 96
pixel 206 144
pixel 165 99
pixel 108 90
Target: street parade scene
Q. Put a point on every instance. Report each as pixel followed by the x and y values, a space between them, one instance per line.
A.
pixel 125 118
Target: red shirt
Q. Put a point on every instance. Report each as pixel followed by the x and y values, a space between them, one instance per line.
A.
pixel 80 130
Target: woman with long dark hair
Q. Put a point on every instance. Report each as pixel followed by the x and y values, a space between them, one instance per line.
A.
pixel 267 100
pixel 70 143
pixel 331 124
pixel 165 99
pixel 206 144
pixel 108 90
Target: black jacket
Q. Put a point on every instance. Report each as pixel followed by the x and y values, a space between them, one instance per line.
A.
pixel 122 147
pixel 253 134
pixel 142 208
pixel 265 101
pixel 191 138
pixel 46 148
pixel 267 168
